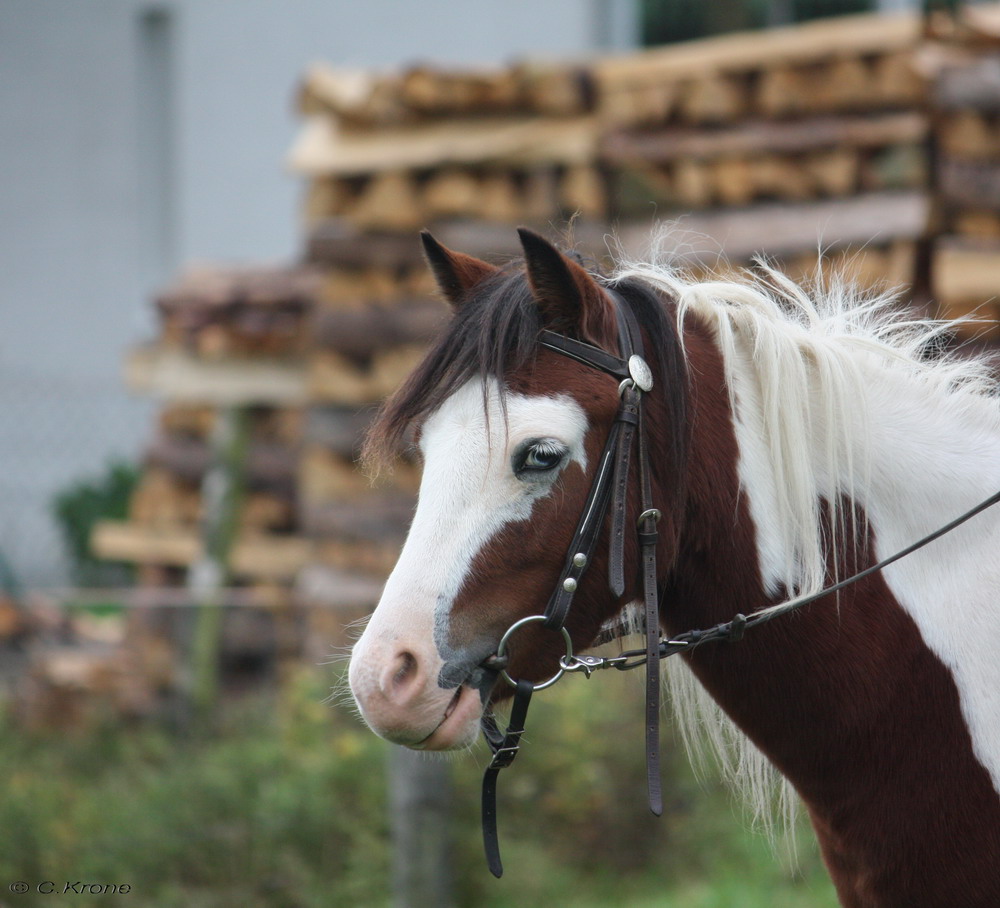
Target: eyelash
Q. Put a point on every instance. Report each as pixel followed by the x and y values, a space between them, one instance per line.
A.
pixel 549 453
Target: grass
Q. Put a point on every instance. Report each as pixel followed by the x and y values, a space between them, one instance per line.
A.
pixel 284 805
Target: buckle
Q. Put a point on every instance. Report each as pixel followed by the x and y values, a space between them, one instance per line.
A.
pixel 649 514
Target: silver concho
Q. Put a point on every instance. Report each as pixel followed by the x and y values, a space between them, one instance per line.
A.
pixel 640 373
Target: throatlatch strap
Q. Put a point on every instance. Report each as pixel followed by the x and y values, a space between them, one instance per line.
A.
pixel 504 750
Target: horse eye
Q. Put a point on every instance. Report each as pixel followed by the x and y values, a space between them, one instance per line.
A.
pixel 539 457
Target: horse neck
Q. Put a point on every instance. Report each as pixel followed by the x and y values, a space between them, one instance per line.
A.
pixel 896 676
pixel 859 442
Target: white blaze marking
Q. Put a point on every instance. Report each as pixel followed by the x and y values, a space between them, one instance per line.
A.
pixel 468 493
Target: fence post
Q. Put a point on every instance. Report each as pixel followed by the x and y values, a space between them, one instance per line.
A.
pixel 420 800
pixel 222 497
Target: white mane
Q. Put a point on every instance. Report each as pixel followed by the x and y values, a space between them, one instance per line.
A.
pixel 798 364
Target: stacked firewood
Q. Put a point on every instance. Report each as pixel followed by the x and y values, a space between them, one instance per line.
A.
pixel 235 318
pixel 409 149
pixel 228 337
pixel 827 109
pixel 256 341
pixel 307 353
pixel 815 129
pixel 824 120
pixel 372 320
pixel 965 276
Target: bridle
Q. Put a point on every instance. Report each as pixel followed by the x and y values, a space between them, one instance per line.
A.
pixel 609 489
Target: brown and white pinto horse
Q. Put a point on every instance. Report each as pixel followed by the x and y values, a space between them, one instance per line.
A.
pixel 793 440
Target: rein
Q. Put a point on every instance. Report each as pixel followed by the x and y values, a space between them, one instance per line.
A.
pixel 609 489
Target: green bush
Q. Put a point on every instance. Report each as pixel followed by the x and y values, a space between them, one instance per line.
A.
pixel 285 806
pixel 665 21
pixel 80 506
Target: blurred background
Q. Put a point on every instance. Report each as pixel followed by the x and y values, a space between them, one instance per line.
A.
pixel 210 276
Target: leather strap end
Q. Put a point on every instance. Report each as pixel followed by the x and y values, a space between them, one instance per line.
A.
pixel 491 841
pixel 654 783
pixel 504 752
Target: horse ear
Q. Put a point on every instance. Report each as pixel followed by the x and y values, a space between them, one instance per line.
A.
pixel 568 297
pixel 455 272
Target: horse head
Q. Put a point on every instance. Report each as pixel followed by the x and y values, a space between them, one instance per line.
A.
pixel 510 435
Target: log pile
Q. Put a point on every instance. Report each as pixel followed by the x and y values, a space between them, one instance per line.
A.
pixel 799 118
pixel 828 109
pixel 264 341
pixel 965 103
pixel 244 326
pixel 400 150
pixel 305 351
pixel 340 341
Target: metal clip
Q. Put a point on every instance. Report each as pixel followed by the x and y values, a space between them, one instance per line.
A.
pixel 588 664
pixel 504 756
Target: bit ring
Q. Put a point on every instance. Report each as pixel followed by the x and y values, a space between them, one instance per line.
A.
pixel 502 647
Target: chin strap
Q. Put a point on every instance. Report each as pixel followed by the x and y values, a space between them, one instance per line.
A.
pixel 504 746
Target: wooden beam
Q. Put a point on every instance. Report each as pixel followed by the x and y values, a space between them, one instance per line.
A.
pixel 338 429
pixel 334 242
pixel 180 377
pixel 755 137
pixel 975 85
pixel 269 464
pixel 826 39
pixel 380 516
pixel 773 228
pixel 264 557
pixel 783 228
pixel 967 272
pixel 333 378
pixel 214 287
pixel 320 150
pixel 361 332
pixel 972 184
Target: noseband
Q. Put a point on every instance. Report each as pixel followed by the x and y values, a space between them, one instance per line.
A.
pixel 610 488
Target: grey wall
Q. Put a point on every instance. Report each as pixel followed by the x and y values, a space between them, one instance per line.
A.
pixel 252 93
pixel 138 136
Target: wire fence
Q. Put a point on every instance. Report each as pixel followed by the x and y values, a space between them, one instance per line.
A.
pixel 56 429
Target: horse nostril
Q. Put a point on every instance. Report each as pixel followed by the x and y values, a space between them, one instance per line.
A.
pixel 402 677
pixel 406 666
